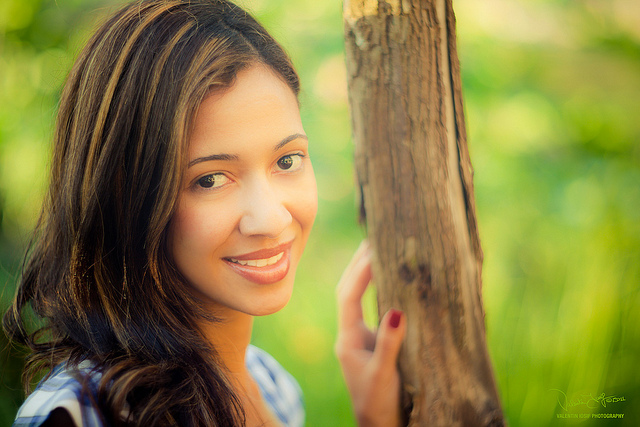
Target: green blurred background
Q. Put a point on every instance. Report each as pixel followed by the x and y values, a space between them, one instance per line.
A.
pixel 552 92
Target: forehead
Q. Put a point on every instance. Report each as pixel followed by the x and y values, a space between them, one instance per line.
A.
pixel 258 108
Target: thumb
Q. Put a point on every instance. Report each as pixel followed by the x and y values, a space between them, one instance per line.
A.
pixel 389 339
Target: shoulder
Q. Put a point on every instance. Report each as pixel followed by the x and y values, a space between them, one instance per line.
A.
pixel 278 387
pixel 70 388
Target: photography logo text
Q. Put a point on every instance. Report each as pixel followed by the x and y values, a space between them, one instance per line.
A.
pixel 585 405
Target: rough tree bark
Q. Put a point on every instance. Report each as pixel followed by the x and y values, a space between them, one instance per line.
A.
pixel 415 175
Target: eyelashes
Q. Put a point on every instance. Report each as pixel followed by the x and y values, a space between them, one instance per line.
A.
pixel 214 180
pixel 289 163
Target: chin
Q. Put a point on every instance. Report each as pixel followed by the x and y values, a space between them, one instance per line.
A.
pixel 274 298
pixel 270 307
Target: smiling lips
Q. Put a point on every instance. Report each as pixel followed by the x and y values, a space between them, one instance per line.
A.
pixel 259 262
pixel 265 266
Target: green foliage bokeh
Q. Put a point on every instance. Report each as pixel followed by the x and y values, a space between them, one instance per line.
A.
pixel 552 95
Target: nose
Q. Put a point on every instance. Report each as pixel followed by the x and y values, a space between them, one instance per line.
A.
pixel 265 212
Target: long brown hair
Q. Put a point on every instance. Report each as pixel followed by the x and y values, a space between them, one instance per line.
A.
pixel 97 273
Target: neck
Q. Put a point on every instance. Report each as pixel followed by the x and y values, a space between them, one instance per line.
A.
pixel 230 337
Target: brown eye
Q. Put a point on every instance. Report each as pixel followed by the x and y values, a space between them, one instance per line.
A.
pixel 207 181
pixel 212 181
pixel 285 163
pixel 290 162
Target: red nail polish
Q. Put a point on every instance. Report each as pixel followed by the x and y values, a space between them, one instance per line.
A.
pixel 394 318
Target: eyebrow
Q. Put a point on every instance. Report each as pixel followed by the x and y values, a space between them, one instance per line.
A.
pixel 230 157
pixel 289 139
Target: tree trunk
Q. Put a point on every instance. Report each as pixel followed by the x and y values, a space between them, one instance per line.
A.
pixel 415 175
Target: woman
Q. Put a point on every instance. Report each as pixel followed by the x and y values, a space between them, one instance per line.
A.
pixel 181 199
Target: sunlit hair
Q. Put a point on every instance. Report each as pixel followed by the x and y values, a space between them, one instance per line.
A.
pixel 97 274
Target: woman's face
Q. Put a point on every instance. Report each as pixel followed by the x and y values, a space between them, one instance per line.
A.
pixel 248 197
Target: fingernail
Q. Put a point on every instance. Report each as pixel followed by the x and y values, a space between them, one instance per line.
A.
pixel 394 318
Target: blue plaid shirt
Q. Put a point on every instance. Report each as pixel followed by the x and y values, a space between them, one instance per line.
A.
pixel 279 389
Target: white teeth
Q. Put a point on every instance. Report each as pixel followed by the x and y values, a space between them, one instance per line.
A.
pixel 258 262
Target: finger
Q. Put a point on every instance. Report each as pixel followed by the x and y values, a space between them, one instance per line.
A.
pixel 352 286
pixel 389 340
pixel 361 252
pixel 354 281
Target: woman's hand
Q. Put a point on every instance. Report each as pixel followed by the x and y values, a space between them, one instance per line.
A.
pixel 368 358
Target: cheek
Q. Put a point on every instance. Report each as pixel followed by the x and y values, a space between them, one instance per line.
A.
pixel 306 203
pixel 197 230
